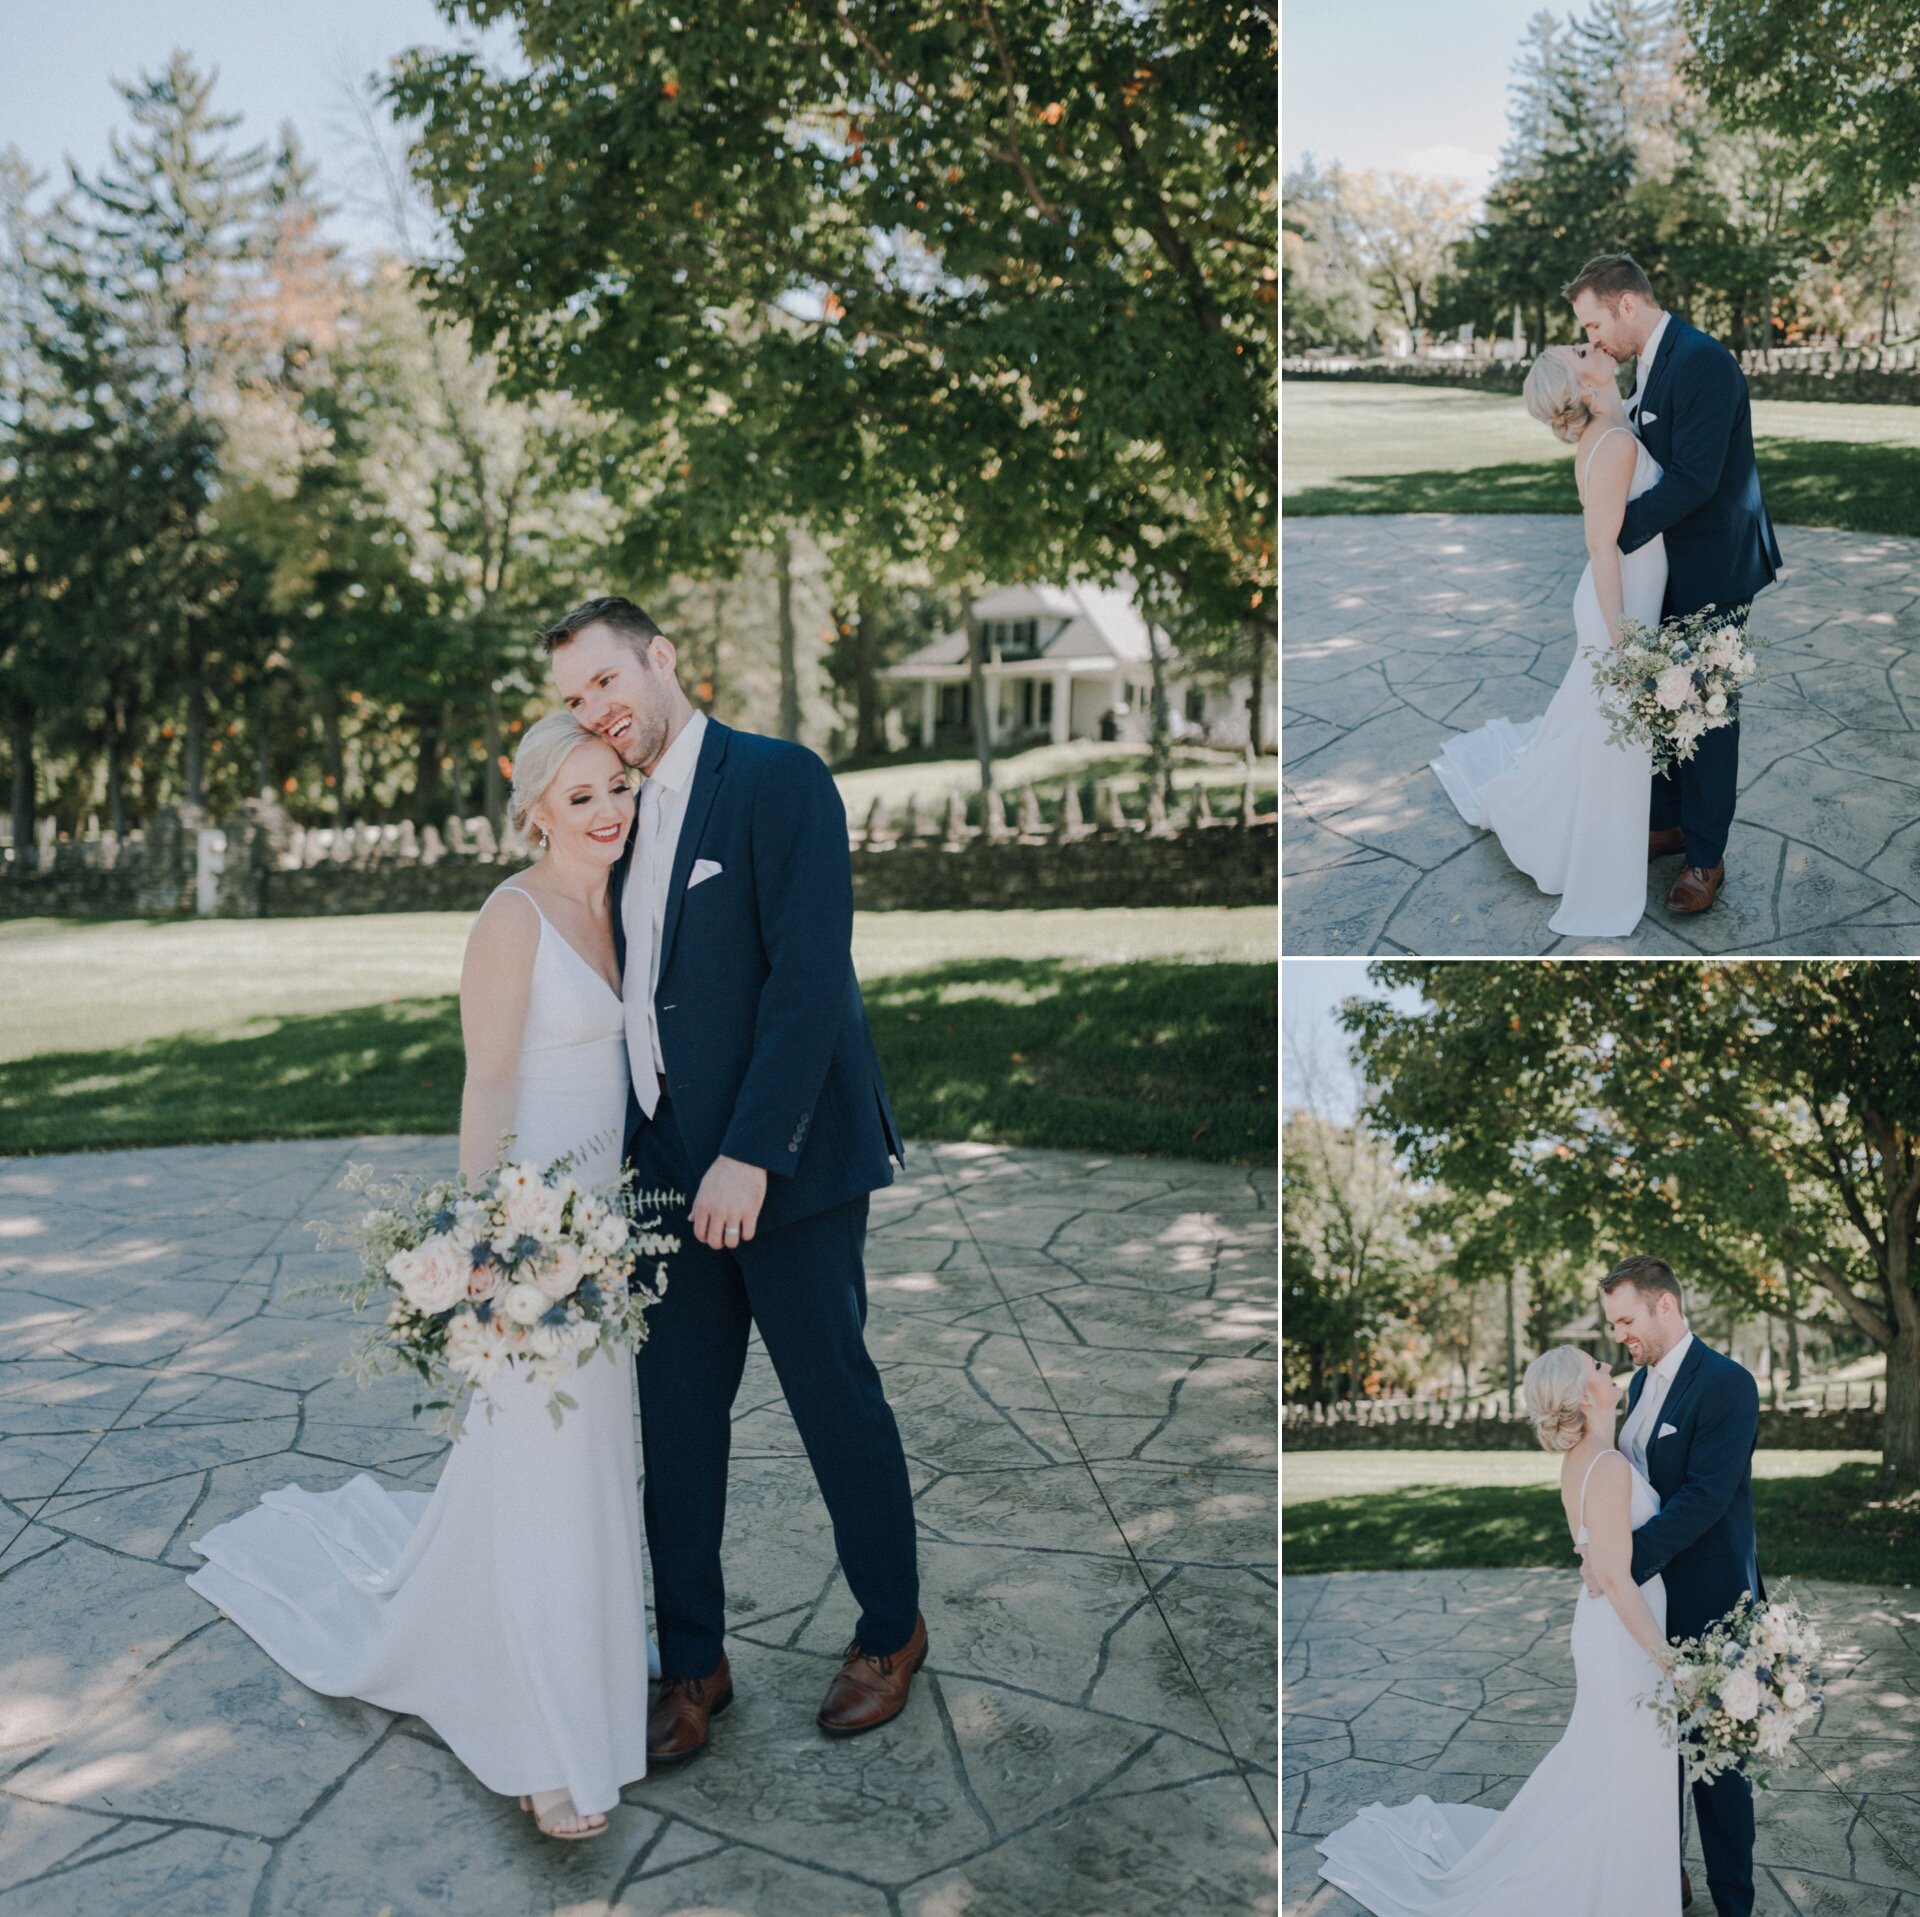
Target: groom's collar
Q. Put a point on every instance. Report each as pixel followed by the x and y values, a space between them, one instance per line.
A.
pixel 1649 353
pixel 1669 1366
pixel 676 765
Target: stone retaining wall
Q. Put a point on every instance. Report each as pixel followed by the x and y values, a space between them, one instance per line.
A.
pixel 1012 857
pixel 1861 376
pixel 1782 1430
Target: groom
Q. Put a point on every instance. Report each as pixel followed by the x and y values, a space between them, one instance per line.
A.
pixel 755 1089
pixel 1691 411
pixel 1692 1418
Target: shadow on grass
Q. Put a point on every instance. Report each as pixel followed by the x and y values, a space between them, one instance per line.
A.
pixel 1153 1056
pixel 1807 482
pixel 1833 1526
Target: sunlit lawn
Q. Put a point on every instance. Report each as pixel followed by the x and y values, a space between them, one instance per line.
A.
pixel 66 985
pixel 1818 1514
pixel 1364 448
pixel 1152 1056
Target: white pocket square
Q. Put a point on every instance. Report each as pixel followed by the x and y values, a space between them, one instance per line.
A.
pixel 703 869
pixel 1647 419
pixel 1665 1431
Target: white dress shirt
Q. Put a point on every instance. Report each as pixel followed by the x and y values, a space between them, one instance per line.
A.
pixel 1640 1427
pixel 669 782
pixel 1643 365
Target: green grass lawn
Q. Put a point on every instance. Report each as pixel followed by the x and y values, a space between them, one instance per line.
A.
pixel 72 986
pixel 1818 1513
pixel 1154 1056
pixel 1384 449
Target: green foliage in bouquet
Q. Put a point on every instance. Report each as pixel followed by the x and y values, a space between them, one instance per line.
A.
pixel 1665 687
pixel 1740 1690
pixel 526 1269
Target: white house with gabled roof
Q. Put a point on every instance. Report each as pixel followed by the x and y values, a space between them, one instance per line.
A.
pixel 1060 663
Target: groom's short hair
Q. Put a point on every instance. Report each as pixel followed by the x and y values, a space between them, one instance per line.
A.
pixel 1606 278
pixel 1647 1275
pixel 616 614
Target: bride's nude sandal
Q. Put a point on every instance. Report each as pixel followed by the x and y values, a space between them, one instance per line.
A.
pixel 544 1804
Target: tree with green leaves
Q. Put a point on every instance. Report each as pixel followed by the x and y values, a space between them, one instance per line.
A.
pixel 1836 79
pixel 1003 274
pixel 1749 1122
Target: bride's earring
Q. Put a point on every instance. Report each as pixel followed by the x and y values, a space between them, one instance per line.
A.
pixel 545 842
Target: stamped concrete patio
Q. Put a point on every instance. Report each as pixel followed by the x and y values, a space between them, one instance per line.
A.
pixel 1403 631
pixel 1456 1683
pixel 1080 1352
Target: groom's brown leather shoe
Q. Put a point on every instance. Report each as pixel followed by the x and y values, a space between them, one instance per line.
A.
pixel 1696 889
pixel 1663 844
pixel 677 1725
pixel 870 1691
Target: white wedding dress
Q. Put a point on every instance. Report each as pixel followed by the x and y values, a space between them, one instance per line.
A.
pixel 1593 1832
pixel 507 1609
pixel 1571 810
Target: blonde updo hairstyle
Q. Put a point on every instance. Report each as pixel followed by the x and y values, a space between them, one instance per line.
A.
pixel 545 748
pixel 1555 396
pixel 1555 1389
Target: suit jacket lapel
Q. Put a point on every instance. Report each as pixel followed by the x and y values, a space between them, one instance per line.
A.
pixel 706 782
pixel 1684 1381
pixel 617 896
pixel 1654 398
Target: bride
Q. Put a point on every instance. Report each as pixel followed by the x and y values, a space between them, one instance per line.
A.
pixel 1571 810
pixel 507 1609
pixel 1596 1828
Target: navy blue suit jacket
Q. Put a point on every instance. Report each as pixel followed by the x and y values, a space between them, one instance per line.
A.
pixel 1702 1542
pixel 1696 420
pixel 768 1055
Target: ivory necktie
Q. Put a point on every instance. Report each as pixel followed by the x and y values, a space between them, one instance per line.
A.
pixel 637 911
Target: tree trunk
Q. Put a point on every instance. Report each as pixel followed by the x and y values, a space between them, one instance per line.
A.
pixel 426 766
pixel 193 778
pixel 977 698
pixel 494 786
pixel 1900 1437
pixel 789 658
pixel 1793 1346
pixel 333 750
pixel 116 775
pixel 1510 1349
pixel 1160 731
pixel 257 725
pixel 20 739
pixel 1257 694
pixel 866 683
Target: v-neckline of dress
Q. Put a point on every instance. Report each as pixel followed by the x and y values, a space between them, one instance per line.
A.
pixel 547 925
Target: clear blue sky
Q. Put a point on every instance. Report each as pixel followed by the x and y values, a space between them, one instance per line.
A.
pixel 279 60
pixel 1402 84
pixel 1311 992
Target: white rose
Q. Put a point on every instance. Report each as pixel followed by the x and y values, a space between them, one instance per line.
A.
pixel 559 1273
pixel 1716 704
pixel 524 1303
pixel 433 1276
pixel 1795 1694
pixel 1740 1696
pixel 609 1235
pixel 1674 688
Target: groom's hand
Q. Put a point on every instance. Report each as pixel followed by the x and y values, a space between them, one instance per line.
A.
pixel 1594 1588
pixel 727 1205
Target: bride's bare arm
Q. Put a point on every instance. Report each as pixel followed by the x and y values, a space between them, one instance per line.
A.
pixel 1609 476
pixel 1609 1518
pixel 496 981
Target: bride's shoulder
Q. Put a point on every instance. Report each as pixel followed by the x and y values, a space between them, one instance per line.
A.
pixel 505 931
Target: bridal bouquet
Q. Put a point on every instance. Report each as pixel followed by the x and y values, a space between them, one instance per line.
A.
pixel 1741 1689
pixel 1666 686
pixel 530 1269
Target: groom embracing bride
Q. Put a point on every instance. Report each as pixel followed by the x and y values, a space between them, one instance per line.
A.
pixel 1674 523
pixel 675 973
pixel 1662 1520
